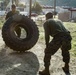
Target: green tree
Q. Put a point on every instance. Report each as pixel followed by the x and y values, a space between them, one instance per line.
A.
pixel 36 8
pixel 16 2
pixel 22 5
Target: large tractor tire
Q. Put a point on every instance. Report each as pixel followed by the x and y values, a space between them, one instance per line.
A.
pixel 17 43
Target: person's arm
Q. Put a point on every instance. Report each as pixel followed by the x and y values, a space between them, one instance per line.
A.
pixel 7 16
pixel 47 37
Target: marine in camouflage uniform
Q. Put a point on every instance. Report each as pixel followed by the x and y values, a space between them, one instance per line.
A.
pixel 11 13
pixel 61 39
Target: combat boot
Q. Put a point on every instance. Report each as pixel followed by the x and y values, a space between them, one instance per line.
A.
pixel 44 72
pixel 66 68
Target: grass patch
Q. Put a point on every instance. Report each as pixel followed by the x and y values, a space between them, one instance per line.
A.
pixel 2 20
pixel 71 27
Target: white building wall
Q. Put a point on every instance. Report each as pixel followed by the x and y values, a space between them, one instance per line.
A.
pixel 64 16
pixel 73 14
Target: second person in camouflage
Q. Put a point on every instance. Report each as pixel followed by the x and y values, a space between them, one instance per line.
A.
pixel 61 39
pixel 10 14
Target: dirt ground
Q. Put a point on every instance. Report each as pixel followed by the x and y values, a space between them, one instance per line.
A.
pixel 30 62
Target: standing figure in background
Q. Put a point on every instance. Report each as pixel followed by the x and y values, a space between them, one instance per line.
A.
pixel 10 14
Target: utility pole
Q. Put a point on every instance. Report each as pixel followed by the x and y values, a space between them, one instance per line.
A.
pixel 30 5
pixel 12 1
pixel 54 7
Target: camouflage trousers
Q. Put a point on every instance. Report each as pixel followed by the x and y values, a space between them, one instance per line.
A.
pixel 18 31
pixel 62 41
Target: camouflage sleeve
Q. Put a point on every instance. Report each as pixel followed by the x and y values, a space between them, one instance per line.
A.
pixel 7 16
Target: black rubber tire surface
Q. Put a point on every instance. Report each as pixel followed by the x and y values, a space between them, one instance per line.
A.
pixel 14 42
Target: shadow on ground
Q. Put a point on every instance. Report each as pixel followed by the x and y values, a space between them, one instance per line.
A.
pixel 15 63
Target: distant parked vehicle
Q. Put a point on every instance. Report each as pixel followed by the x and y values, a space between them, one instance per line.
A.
pixel 27 14
pixel 34 14
pixel 24 13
